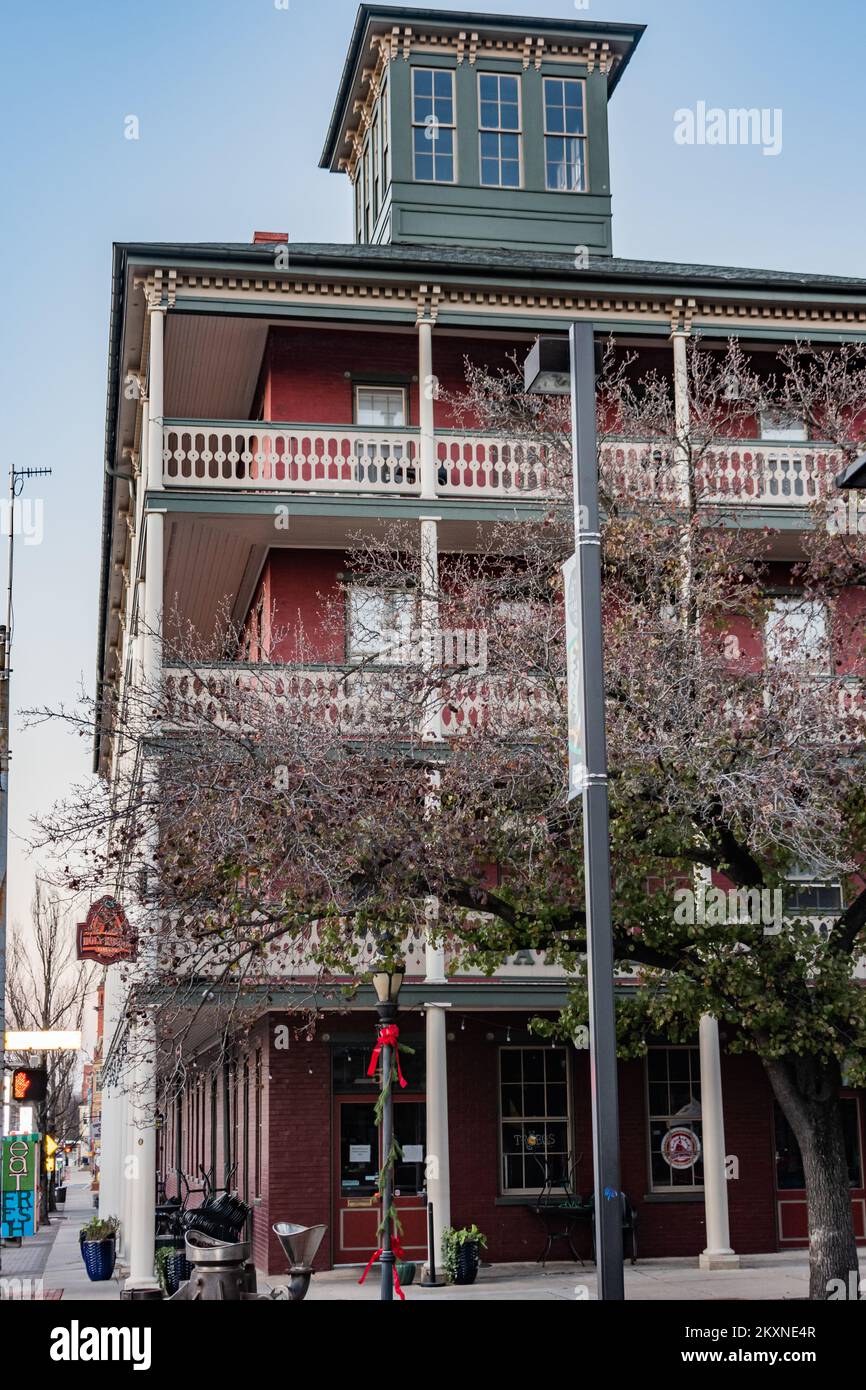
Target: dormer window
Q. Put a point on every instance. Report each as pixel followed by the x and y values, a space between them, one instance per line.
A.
pixel 565 134
pixel 433 125
pixel 499 122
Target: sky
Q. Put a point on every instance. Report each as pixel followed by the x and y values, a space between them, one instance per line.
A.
pixel 232 100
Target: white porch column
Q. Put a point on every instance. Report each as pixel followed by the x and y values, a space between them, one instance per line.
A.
pixel 679 339
pixel 111 1118
pixel 718 1254
pixel 125 1212
pixel 437 1163
pixel 156 377
pixel 436 1156
pixel 142 1097
pixel 426 395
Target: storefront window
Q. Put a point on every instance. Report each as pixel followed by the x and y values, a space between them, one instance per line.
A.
pixel 535 1130
pixel 674 1109
pixel 789 1163
pixel 351 1060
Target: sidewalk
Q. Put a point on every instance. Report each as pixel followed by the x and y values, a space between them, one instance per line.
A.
pixel 49 1264
pixel 761 1277
pixel 64 1268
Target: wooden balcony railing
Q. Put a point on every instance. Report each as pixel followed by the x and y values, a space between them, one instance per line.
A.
pixel 363 702
pixel 298 458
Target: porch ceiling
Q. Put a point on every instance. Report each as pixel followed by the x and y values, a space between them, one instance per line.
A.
pixel 213 561
pixel 212 365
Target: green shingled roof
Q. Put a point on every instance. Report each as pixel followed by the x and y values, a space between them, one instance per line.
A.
pixel 486 260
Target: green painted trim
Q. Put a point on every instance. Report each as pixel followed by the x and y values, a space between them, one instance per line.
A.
pixel 336 505
pixel 299 426
pixel 587 283
pixel 273 309
pixel 534 322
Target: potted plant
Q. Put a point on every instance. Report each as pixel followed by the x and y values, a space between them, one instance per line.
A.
pixel 98 1240
pixel 461 1253
pixel 172 1266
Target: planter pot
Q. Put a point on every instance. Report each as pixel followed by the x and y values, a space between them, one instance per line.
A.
pixel 467 1263
pixel 406 1272
pixel 177 1270
pixel 99 1257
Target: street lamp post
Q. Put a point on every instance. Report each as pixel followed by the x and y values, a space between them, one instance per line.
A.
pixel 387 980
pixel 559 367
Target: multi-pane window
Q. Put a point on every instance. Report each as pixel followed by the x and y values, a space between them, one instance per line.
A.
pixel 533 1109
pixel 380 406
pixel 433 125
pixel 379 623
pixel 795 632
pixel 806 893
pixel 376 155
pixel 499 129
pixel 674 1109
pixel 565 135
pixel 386 142
pixel 780 425
pixel 368 188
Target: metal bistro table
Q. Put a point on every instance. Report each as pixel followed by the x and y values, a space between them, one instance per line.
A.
pixel 560 1208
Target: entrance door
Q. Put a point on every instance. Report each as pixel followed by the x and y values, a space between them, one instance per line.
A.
pixel 357 1163
pixel 792 1214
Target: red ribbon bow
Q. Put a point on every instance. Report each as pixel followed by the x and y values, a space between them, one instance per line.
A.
pixel 401 1255
pixel 388 1035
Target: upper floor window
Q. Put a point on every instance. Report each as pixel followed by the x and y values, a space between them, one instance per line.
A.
pixel 564 135
pixel 379 624
pixel 499 122
pixel 386 137
pixel 795 633
pixel 433 125
pixel 776 424
pixel 807 893
pixel 382 406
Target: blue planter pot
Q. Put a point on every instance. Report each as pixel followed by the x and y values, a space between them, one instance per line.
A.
pixel 467 1263
pixel 99 1259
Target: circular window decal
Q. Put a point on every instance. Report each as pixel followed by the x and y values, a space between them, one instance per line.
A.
pixel 681 1148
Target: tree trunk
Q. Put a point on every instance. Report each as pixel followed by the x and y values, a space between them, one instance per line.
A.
pixel 808 1092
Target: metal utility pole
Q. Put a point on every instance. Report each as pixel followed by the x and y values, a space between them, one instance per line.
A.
pixel 568 368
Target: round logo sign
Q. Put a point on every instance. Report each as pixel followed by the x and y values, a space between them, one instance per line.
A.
pixel 681 1148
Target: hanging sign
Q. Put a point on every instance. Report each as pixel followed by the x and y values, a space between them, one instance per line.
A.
pixel 576 767
pixel 681 1148
pixel 106 935
pixel 19 1169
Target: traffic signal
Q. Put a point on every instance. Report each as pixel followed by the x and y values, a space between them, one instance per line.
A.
pixel 30 1084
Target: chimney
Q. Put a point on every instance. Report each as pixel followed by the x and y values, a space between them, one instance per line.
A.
pixel 259 237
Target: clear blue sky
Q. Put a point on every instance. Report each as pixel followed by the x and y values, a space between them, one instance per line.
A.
pixel 233 99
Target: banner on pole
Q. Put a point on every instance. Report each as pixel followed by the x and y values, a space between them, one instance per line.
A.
pixel 576 765
pixel 19 1176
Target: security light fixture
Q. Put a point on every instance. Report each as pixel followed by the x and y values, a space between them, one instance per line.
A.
pixel 854 475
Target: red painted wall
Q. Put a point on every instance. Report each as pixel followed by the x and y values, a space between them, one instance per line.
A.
pixel 306 370
pixel 302 611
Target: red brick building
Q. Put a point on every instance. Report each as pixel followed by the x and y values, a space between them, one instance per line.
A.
pixel 300 379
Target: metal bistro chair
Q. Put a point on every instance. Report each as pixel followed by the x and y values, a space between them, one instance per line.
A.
pixel 629 1225
pixel 560 1209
